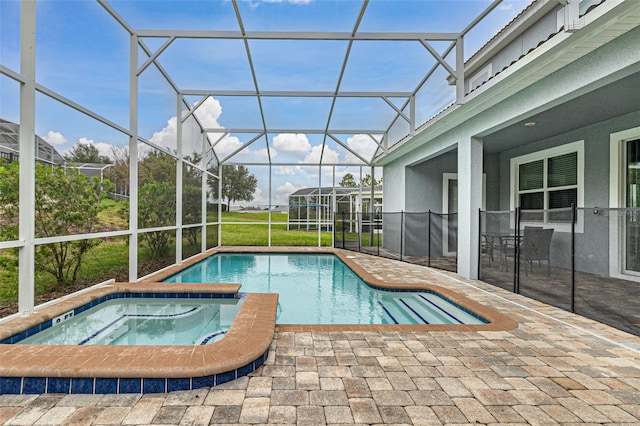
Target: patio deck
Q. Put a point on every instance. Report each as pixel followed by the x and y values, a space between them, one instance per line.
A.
pixel 556 367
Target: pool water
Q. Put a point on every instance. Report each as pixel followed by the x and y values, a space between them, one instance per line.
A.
pixel 144 321
pixel 321 289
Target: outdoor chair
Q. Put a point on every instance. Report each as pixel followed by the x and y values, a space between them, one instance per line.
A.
pixel 535 244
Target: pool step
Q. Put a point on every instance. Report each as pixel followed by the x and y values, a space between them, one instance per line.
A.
pixel 425 308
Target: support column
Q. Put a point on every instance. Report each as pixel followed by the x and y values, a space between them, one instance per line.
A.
pixel 219 204
pixel 469 202
pixel 460 70
pixel 203 195
pixel 133 159
pixel 269 214
pixel 27 137
pixel 179 180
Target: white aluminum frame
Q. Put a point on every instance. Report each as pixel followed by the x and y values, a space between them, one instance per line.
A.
pixel 27 242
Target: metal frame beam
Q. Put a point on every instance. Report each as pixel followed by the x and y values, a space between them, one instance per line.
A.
pixel 298 93
pixel 299 35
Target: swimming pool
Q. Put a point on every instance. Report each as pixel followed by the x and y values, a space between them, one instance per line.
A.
pixel 142 321
pixel 321 289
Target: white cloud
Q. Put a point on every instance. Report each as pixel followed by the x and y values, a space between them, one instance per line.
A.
pixel 258 198
pixel 292 142
pixel 167 136
pixel 208 113
pixel 328 156
pixel 104 148
pixel 363 145
pixel 55 138
pixel 284 171
pixel 281 196
pixel 227 145
pixel 287 188
pixel 506 6
pixel 288 1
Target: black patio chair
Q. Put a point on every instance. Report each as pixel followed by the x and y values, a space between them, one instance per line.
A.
pixel 535 244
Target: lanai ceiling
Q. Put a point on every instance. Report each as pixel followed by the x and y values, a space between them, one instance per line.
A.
pixel 324 82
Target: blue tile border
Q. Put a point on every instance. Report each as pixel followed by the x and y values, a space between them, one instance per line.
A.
pixel 153 385
pixel 105 385
pixel 10 385
pixel 128 385
pixel 34 385
pixel 99 385
pixel 58 385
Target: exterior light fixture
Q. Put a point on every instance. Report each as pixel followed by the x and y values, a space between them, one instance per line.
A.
pixel 530 123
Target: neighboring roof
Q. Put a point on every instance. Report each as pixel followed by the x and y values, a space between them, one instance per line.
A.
pixel 88 166
pixel 9 143
pixel 327 190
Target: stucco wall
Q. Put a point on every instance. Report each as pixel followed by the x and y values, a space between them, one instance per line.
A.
pixel 592 253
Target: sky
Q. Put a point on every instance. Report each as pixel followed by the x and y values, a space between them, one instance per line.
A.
pixel 82 53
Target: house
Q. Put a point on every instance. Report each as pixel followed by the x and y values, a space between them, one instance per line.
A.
pixel 310 206
pixel 549 118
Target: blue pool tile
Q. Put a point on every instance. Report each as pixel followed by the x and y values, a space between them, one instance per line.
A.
pixel 107 385
pixel 82 385
pixel 130 386
pixel 202 382
pixel 34 385
pixel 258 362
pixel 153 385
pixel 58 384
pixel 178 384
pixel 243 371
pixel 225 377
pixel 10 385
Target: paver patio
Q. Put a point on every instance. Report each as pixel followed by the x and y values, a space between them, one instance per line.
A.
pixel 555 368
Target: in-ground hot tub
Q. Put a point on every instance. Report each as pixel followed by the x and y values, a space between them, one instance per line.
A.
pixel 65 368
pixel 140 319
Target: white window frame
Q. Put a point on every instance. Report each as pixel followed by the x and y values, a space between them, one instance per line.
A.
pixel 446 177
pixel 617 199
pixel 577 147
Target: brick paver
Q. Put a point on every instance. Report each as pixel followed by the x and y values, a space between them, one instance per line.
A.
pixel 546 371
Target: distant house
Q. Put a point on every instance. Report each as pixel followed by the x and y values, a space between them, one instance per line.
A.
pixel 309 207
pixel 10 145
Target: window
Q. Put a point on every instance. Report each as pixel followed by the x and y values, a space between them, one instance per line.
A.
pixel 548 180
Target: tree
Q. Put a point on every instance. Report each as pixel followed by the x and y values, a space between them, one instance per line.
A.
pixel 67 203
pixel 157 166
pixel 118 173
pixel 237 184
pixel 191 197
pixel 86 153
pixel 348 181
pixel 366 181
pixel 157 207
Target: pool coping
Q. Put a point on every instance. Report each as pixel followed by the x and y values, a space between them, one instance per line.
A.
pixel 496 320
pixel 137 368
